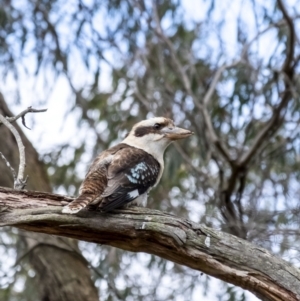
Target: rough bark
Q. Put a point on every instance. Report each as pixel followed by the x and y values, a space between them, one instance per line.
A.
pixel 215 253
pixel 61 272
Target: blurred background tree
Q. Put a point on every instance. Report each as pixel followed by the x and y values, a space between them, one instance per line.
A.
pixel 228 70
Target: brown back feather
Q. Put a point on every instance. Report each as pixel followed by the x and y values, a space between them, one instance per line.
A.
pixel 95 181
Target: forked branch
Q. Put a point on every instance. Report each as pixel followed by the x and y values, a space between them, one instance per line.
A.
pixel 19 181
pixel 22 115
pixel 287 71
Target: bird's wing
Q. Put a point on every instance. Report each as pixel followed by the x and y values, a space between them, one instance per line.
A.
pixel 131 173
pixel 95 180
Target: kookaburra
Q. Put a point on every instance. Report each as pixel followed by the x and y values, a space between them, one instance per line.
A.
pixel 124 174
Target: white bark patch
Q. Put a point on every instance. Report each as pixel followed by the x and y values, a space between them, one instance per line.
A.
pixel 207 240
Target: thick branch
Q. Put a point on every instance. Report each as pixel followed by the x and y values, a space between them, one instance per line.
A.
pixel 143 230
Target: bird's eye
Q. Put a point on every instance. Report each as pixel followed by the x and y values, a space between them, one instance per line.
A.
pixel 157 126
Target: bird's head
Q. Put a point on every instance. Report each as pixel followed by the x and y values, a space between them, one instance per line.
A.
pixel 155 134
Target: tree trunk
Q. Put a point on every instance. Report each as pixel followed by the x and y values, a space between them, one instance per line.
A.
pixel 215 253
pixel 62 273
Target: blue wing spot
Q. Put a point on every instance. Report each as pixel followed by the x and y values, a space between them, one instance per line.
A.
pixel 131 179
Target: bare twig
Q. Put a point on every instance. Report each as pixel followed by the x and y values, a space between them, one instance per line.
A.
pixel 215 81
pixel 159 31
pixel 214 138
pixel 22 115
pixel 19 183
pixel 273 25
pixel 270 128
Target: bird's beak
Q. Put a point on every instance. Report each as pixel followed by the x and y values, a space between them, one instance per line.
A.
pixel 176 133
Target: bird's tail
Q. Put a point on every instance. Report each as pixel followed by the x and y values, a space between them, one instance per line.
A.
pixel 81 202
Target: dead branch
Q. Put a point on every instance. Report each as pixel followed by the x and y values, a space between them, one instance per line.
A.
pixel 19 182
pixel 213 85
pixel 22 115
pixel 143 230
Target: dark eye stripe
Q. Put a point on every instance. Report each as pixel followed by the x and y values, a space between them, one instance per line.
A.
pixel 144 130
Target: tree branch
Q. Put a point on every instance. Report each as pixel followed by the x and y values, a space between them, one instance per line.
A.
pixel 19 183
pixel 222 149
pixel 188 160
pixel 291 41
pixel 9 166
pixel 276 120
pixel 143 230
pixel 213 85
pixel 159 31
pixel 22 115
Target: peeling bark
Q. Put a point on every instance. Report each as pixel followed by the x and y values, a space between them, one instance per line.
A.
pixel 215 253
